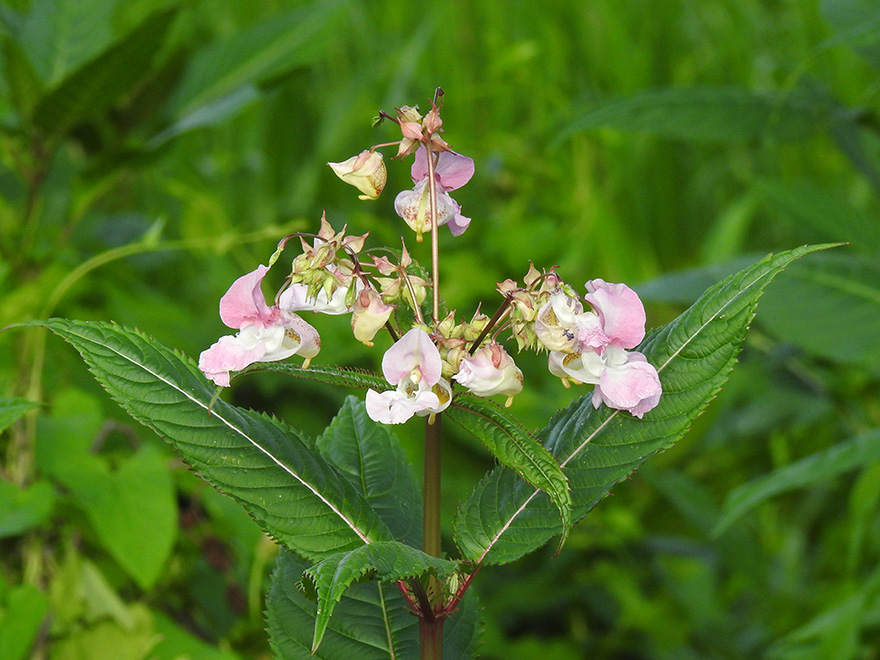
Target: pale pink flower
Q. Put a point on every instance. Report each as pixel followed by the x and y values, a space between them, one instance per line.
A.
pixel 589 347
pixel 624 380
pixel 556 323
pixel 414 367
pixel 265 333
pixel 452 171
pixel 490 371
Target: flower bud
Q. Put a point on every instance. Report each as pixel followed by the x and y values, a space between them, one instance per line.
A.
pixel 490 371
pixel 369 315
pixel 366 172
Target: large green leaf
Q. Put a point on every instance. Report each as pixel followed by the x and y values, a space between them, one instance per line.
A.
pixel 371 457
pixel 225 77
pixel 708 114
pixel 387 561
pixel 816 468
pixel 516 448
pixel 830 306
pixel 505 517
pixel 273 470
pixel 92 88
pixel 832 217
pixel 59 36
pixel 130 503
pixel 371 622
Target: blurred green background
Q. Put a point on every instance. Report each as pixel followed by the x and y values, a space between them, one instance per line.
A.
pixel 151 151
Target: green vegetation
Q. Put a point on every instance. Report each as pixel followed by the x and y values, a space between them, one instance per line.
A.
pixel 152 151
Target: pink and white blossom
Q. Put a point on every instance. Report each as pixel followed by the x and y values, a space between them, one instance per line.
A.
pixel 452 171
pixel 624 380
pixel 295 298
pixel 413 366
pixel 590 346
pixel 265 334
pixel 490 371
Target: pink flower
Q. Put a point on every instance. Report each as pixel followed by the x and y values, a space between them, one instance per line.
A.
pixel 451 172
pixel 624 380
pixel 265 333
pixel 490 371
pixel 589 347
pixel 413 366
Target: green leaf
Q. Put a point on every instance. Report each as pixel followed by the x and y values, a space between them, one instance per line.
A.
pixel 59 36
pixel 21 614
pixel 130 503
pixel 273 470
pixel 387 561
pixel 834 218
pixel 24 86
pixel 829 306
pixel 133 510
pixel 857 24
pixel 516 448
pixel 24 509
pixel 371 457
pixel 95 86
pixel 708 114
pixel 12 409
pixel 371 622
pixel 223 78
pixel 821 466
pixel 597 448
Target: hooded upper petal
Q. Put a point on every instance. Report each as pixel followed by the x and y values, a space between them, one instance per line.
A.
pixel 243 304
pixel 413 351
pixel 452 169
pixel 621 311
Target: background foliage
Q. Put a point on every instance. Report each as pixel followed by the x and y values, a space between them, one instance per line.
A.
pixel 154 150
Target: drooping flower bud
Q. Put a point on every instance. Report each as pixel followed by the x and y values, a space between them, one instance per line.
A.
pixel 366 172
pixel 369 315
pixel 490 371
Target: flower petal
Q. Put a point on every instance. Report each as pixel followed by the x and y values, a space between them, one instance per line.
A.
pixel 633 386
pixel 452 170
pixel 391 407
pixel 228 354
pixel 414 350
pixel 244 304
pixel 621 311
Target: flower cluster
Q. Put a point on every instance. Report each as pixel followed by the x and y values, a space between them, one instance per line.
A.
pixel 432 357
pixel 587 346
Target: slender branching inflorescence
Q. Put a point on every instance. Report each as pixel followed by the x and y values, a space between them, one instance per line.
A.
pixel 585 344
pixel 435 357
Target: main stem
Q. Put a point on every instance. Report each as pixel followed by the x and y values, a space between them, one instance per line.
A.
pixel 430 626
